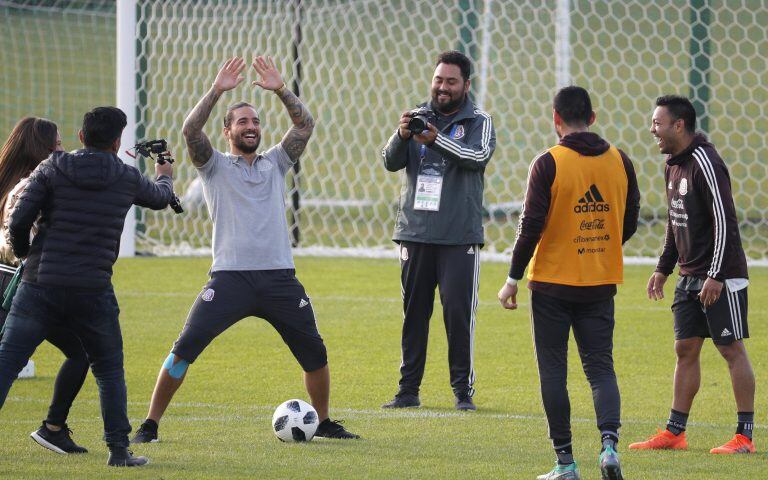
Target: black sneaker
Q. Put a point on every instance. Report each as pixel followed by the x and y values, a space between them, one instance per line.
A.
pixel 333 429
pixel 147 433
pixel 465 403
pixel 121 457
pixel 59 442
pixel 403 400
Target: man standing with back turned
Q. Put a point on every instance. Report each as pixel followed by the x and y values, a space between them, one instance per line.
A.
pixel 440 226
pixel 711 294
pixel 253 272
pixel 581 205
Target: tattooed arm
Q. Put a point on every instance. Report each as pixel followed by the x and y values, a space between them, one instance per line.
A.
pixel 295 140
pixel 200 149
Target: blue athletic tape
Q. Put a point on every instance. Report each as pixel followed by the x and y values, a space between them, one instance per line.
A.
pixel 177 370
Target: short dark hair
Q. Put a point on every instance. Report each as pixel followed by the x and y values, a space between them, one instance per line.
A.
pixel 573 105
pixel 229 116
pixel 679 107
pixel 454 57
pixel 102 126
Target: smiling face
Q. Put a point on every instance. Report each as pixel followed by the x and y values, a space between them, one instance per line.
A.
pixel 670 134
pixel 244 132
pixel 449 89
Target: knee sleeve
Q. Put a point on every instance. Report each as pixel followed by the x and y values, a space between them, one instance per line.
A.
pixel 178 369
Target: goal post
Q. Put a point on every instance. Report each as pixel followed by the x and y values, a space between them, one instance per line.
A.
pixel 361 63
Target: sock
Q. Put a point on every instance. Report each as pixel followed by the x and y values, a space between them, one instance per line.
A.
pixel 746 422
pixel 609 439
pixel 677 421
pixel 151 424
pixel 564 450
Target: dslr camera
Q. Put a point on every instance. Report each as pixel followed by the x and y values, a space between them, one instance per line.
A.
pixel 419 119
pixel 160 148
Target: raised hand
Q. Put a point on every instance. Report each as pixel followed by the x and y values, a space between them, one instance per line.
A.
pixel 270 77
pixel 229 76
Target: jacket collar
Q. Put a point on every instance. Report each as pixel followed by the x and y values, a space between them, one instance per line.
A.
pixel 699 139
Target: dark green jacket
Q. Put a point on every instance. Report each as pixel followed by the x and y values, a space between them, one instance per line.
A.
pixel 459 220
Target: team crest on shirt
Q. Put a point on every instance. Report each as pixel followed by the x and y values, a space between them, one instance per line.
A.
pixel 459 133
pixel 683 189
pixel 207 295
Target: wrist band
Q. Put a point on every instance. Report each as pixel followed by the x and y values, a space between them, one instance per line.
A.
pixel 511 282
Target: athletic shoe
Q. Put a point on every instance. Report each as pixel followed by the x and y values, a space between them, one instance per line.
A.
pixel 147 433
pixel 121 457
pixel 59 442
pixel 738 444
pixel 464 402
pixel 562 472
pixel 333 429
pixel 663 440
pixel 610 467
pixel 403 400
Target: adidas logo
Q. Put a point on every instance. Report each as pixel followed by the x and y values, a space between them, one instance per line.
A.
pixel 471 251
pixel 303 303
pixel 725 333
pixel 592 201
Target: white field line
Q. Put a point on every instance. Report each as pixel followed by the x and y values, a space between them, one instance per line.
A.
pixel 241 413
pixel 368 300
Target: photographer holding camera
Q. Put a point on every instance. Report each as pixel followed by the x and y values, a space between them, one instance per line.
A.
pixel 81 199
pixel 444 146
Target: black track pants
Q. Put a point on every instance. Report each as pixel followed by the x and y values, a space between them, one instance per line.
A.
pixel 455 269
pixel 592 322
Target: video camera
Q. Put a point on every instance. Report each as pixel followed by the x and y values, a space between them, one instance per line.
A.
pixel 419 119
pixel 160 148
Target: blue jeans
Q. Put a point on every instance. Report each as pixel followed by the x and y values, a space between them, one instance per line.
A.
pixel 93 316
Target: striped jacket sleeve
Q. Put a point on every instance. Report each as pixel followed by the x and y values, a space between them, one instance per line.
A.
pixel 716 184
pixel 475 153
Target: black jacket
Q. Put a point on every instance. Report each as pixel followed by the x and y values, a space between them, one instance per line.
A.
pixel 464 156
pixel 702 228
pixel 82 199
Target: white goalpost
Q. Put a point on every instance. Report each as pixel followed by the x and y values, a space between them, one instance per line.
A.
pixel 363 62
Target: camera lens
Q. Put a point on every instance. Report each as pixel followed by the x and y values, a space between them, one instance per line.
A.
pixel 417 124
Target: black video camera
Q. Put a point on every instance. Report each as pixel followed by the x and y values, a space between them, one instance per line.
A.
pixel 419 119
pixel 160 148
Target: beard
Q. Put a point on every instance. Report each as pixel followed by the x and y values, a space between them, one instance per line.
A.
pixel 447 106
pixel 244 147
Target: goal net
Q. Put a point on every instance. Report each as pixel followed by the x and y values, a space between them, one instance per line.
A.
pixel 359 63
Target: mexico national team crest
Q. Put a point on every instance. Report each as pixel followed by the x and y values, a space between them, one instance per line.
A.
pixel 208 294
pixel 683 186
pixel 459 133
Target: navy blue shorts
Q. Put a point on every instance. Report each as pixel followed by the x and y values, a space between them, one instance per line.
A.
pixel 725 321
pixel 274 295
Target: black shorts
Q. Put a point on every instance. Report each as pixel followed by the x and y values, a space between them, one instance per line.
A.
pixel 725 321
pixel 274 295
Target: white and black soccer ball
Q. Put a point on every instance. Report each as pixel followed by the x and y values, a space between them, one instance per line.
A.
pixel 295 421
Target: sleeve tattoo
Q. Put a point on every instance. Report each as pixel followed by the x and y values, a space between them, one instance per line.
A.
pixel 198 144
pixel 296 138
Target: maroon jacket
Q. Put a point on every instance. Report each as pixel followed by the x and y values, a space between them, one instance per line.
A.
pixel 702 229
pixel 538 196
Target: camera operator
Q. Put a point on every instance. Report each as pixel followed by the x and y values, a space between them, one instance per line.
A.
pixel 82 199
pixel 440 224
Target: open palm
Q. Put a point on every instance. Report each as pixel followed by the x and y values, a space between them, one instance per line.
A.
pixel 229 76
pixel 270 77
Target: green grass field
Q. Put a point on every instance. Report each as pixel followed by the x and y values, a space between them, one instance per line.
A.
pixel 219 423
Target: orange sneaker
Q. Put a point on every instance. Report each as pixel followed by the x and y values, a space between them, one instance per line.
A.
pixel 663 440
pixel 738 444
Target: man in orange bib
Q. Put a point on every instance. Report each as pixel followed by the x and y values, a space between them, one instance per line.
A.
pixel 581 205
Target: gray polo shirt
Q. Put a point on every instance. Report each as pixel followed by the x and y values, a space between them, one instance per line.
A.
pixel 247 206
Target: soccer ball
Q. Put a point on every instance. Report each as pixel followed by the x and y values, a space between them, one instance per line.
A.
pixel 295 421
